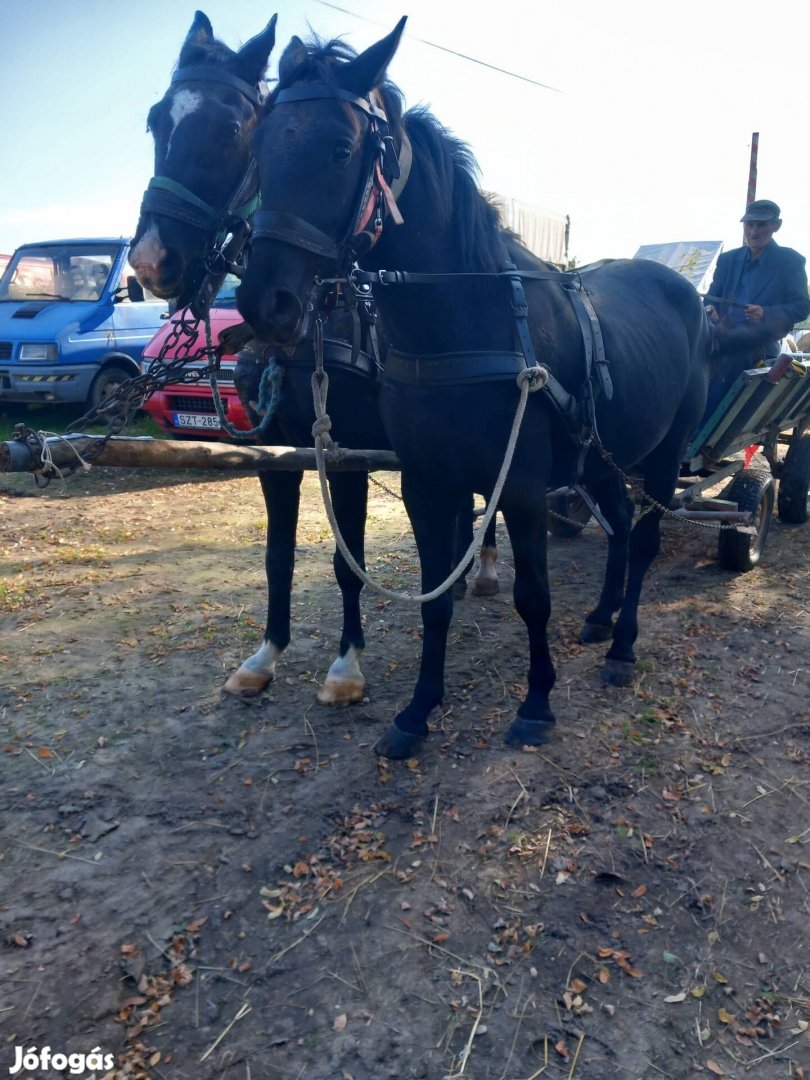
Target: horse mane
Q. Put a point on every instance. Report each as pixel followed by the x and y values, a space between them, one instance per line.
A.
pixel 452 175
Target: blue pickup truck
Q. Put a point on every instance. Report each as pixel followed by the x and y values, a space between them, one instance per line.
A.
pixel 73 321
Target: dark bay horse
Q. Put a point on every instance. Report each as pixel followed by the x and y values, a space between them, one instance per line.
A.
pixel 463 325
pixel 203 155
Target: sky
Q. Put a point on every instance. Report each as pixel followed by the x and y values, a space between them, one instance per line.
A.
pixel 641 133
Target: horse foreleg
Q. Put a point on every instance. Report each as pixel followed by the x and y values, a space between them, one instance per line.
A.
pixel 282 492
pixel 433 519
pixel 345 681
pixel 614 503
pixel 526 523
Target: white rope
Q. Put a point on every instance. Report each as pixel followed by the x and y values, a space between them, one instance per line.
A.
pixel 529 380
pixel 49 467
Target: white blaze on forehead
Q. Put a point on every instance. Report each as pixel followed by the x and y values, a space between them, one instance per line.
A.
pixel 184 103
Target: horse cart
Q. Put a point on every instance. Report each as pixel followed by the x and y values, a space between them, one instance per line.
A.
pixel 755 437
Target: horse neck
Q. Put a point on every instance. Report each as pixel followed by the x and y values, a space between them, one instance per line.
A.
pixel 450 316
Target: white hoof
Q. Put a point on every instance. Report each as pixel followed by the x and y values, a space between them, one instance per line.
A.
pixel 345 682
pixel 255 674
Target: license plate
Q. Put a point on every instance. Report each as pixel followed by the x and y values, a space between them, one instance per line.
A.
pixel 205 421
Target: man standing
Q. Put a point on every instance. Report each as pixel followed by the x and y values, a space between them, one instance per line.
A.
pixel 757 294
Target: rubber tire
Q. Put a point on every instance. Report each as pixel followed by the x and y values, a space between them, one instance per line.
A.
pixel 753 490
pixel 109 378
pixel 570 506
pixel 794 483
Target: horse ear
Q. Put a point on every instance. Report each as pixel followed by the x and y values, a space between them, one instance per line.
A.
pixel 368 70
pixel 200 33
pixel 294 56
pixel 254 56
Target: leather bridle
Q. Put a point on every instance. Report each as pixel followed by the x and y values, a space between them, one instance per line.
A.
pixel 386 175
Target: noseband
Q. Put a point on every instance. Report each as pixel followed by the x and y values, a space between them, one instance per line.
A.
pixel 376 197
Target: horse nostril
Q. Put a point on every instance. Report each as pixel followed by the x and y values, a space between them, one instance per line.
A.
pixel 288 310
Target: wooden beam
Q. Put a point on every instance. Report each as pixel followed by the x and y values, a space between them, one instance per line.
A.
pixel 18 455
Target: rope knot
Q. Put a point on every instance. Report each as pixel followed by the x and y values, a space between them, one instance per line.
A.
pixel 536 377
pixel 322 426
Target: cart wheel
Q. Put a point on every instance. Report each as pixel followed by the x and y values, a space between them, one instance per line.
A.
pixel 752 490
pixel 794 483
pixel 571 506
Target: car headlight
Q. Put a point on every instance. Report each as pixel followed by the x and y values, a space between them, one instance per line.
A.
pixel 38 351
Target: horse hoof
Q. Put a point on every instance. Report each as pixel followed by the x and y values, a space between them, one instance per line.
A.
pixel 529 732
pixel 341 691
pixel 398 745
pixel 485 587
pixel 618 673
pixel 594 633
pixel 246 684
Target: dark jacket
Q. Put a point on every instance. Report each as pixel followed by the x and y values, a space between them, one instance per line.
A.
pixel 782 290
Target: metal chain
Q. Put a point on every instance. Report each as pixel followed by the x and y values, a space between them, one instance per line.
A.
pixel 653 504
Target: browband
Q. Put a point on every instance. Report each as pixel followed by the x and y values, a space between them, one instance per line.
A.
pixel 209 73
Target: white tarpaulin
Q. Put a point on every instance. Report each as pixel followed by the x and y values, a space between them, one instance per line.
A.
pixel 695 259
pixel 544 233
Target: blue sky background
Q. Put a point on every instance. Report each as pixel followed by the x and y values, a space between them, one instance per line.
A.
pixel 645 138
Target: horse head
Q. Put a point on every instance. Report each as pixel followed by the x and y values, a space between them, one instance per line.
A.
pixel 325 150
pixel 203 182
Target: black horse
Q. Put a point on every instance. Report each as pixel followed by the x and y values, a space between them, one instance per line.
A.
pixel 467 309
pixel 203 178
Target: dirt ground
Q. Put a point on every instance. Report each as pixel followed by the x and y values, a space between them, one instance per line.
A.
pixel 214 889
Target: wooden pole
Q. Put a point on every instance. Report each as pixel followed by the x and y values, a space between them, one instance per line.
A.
pixel 146 453
pixel 751 194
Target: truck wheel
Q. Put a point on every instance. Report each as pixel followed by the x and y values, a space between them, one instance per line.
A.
pixel 108 380
pixel 794 483
pixel 572 507
pixel 752 490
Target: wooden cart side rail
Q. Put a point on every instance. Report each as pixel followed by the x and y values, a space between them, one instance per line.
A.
pixel 147 453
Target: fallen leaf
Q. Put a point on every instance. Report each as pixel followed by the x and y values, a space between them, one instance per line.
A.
pixel 712 1066
pixel 724 1016
pixel 639 891
pixel 578 986
pixel 340 1022
pixel 603 976
pixel 675 997
pixel 562 1048
pixel 698 991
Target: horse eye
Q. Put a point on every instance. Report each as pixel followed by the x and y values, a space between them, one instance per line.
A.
pixel 232 131
pixel 342 153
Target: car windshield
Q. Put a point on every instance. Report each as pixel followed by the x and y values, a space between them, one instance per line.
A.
pixel 58 272
pixel 226 297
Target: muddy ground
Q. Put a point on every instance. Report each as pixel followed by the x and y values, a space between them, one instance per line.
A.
pixel 212 888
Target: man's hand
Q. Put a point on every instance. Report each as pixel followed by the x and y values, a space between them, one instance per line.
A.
pixel 711 314
pixel 754 313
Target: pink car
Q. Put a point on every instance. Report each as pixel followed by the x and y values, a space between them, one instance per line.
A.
pixel 189 410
